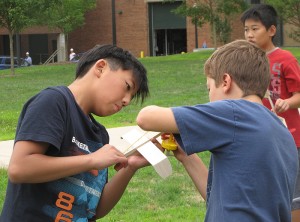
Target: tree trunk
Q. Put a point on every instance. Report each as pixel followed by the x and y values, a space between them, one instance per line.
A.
pixel 11 49
pixel 61 47
pixel 67 46
pixel 214 35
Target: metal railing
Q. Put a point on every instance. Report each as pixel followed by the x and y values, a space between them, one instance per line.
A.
pixel 51 57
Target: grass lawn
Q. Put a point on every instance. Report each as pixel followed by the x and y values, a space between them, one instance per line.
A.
pixel 174 80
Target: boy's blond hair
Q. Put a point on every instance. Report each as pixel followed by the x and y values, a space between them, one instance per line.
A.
pixel 246 63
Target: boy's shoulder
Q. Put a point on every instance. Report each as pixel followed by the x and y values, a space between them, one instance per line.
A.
pixel 50 96
pixel 278 52
pixel 56 91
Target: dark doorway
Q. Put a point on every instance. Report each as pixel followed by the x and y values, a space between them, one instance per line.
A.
pixel 6 50
pixel 38 45
pixel 170 41
pixel 167 30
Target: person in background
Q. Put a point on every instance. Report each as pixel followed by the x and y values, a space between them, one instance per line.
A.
pixel 28 59
pixel 260 24
pixel 59 166
pixel 254 161
pixel 72 54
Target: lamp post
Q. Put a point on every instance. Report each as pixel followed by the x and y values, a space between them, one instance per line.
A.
pixel 196 26
pixel 114 35
pixel 196 33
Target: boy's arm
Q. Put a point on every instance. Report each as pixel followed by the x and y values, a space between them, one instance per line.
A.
pixel 115 188
pixel 158 119
pixel 282 105
pixel 29 164
pixel 197 171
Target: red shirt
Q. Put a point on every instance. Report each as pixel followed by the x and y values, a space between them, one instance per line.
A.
pixel 285 79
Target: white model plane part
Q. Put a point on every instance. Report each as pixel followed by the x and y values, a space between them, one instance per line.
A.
pixel 140 141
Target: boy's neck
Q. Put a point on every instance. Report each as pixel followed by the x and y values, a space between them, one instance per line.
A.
pixel 272 50
pixel 253 98
pixel 269 48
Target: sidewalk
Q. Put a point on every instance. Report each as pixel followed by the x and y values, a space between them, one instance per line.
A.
pixel 115 134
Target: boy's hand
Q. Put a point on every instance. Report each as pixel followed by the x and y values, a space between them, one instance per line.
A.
pixel 179 154
pixel 107 156
pixel 135 162
pixel 281 105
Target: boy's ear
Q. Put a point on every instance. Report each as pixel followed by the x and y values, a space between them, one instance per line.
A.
pixel 272 30
pixel 99 66
pixel 226 82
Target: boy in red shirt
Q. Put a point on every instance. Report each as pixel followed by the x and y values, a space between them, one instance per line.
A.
pixel 260 23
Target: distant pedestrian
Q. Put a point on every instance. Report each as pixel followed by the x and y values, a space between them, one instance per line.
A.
pixel 28 59
pixel 72 54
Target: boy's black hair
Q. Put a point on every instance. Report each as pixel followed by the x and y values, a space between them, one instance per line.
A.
pixel 264 13
pixel 117 58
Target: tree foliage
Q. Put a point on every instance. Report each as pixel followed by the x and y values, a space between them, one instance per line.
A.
pixel 67 15
pixel 289 11
pixel 16 15
pixel 218 13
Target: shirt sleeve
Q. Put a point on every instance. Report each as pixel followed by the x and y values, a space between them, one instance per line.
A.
pixel 204 127
pixel 291 72
pixel 43 118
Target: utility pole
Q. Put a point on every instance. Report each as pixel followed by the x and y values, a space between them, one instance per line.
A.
pixel 114 30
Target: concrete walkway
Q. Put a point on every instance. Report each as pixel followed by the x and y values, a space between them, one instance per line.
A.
pixel 115 134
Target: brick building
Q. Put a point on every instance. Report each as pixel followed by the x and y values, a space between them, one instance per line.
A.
pixel 144 27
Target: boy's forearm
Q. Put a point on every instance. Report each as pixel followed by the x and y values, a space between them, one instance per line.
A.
pixel 113 191
pixel 38 168
pixel 198 172
pixel 155 118
pixel 29 164
pixel 294 100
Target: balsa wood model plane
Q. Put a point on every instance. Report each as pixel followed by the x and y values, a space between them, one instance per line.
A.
pixel 139 140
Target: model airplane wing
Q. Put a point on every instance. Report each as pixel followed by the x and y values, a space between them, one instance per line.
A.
pixel 140 141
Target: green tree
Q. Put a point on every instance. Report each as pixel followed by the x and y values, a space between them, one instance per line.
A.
pixel 67 15
pixel 16 15
pixel 217 13
pixel 289 11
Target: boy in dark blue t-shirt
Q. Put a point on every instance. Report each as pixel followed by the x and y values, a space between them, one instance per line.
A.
pixel 58 168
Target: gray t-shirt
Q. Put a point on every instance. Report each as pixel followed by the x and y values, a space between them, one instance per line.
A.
pixel 253 163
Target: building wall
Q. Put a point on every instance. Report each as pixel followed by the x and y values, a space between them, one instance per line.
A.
pixel 131 27
pixel 287 40
pixel 97 29
pixel 132 30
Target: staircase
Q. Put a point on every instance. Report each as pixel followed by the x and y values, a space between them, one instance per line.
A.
pixel 51 57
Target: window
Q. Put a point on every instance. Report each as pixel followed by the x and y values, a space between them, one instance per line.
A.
pixel 7 61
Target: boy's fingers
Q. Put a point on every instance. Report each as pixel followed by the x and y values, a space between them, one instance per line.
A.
pixel 120 165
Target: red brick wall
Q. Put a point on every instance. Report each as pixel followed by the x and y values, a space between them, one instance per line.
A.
pixel 204 34
pixel 131 27
pixel 237 29
pixel 32 30
pixel 97 29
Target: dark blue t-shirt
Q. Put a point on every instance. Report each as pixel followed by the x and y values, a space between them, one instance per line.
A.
pixel 54 117
pixel 253 163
